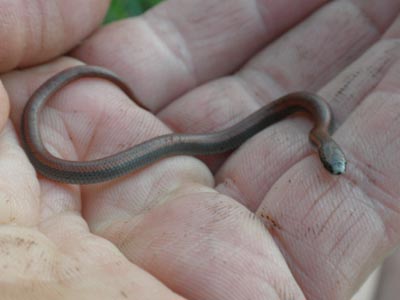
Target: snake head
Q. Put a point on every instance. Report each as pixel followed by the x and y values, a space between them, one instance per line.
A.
pixel 332 157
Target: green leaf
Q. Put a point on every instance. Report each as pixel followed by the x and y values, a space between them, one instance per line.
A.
pixel 121 9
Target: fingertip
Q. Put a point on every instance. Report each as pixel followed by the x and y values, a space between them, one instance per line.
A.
pixel 33 32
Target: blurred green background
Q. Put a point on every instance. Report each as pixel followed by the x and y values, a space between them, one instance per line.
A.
pixel 120 9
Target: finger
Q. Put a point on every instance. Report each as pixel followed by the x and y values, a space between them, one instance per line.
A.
pixel 319 50
pixel 275 150
pixel 349 223
pixel 348 89
pixel 193 237
pixel 280 68
pixel 98 264
pixel 74 264
pixel 36 31
pixel 179 44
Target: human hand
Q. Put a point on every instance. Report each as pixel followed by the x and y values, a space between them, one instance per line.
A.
pixel 193 231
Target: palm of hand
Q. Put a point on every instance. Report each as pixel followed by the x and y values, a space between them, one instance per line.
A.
pixel 193 230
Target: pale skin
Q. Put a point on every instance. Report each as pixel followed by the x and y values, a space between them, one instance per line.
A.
pixel 266 222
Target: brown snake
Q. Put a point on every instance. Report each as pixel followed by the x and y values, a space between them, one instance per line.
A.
pixel 85 172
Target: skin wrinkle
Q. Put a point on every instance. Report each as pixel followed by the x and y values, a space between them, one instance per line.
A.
pixel 233 190
pixel 244 93
pixel 258 175
pixel 43 26
pixel 93 137
pixel 352 278
pixel 370 18
pixel 330 216
pixel 252 92
pixel 237 251
pixel 57 133
pixel 49 27
pixel 309 245
pixel 183 55
pixel 258 8
pixel 64 25
pixel 343 58
pixel 338 96
pixel 175 190
pixel 340 238
pixel 319 197
pixel 272 74
pixel 269 27
pixel 158 198
pixel 226 20
pixel 10 23
pixel 214 116
pixel 380 68
pixel 37 33
pixel 7 199
pixel 332 63
pixel 291 259
pixel 368 204
pixel 21 31
pixel 316 234
pixel 367 190
pixel 364 168
pixel 358 264
pixel 390 239
pixel 214 111
pixel 129 238
pixel 101 117
pixel 48 209
pixel 294 263
pixel 30 29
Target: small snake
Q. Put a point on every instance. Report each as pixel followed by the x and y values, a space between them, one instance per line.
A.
pixel 113 166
